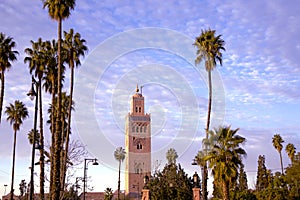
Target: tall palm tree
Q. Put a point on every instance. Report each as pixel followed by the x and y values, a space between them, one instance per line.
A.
pixel 119 155
pixel 277 143
pixel 7 55
pixel 16 113
pixel 59 11
pixel 50 86
pixel 290 149
pixel 225 157
pixel 209 47
pixel 64 117
pixel 37 60
pixel 74 47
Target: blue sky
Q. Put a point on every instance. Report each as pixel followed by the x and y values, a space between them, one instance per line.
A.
pixel 150 43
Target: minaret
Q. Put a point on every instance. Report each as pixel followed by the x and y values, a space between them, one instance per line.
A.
pixel 138 145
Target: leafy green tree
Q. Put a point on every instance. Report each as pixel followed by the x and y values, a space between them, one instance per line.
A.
pixel 108 194
pixel 262 180
pixel 71 194
pixel 16 113
pixel 7 55
pixel 59 11
pixel 242 179
pixel 37 61
pixel 277 143
pixel 225 157
pixel 172 183
pixel 119 155
pixel 290 149
pixel 74 47
pixel 209 47
pixel 292 179
pixel 171 156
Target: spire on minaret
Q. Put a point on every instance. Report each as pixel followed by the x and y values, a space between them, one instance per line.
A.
pixel 137 88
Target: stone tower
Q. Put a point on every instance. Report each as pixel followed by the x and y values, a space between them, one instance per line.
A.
pixel 138 146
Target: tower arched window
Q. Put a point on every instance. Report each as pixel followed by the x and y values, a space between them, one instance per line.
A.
pixel 136 109
pixel 139 146
pixel 137 129
pixel 140 109
pixel 141 129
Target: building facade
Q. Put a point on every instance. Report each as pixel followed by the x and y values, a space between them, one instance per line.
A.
pixel 137 145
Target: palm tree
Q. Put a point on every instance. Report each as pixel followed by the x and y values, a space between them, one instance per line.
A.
pixel 119 155
pixel 290 149
pixel 16 113
pixel 209 49
pixel 277 143
pixel 202 163
pixel 50 86
pixel 30 136
pixel 37 61
pixel 58 10
pixel 225 157
pixel 7 55
pixel 74 47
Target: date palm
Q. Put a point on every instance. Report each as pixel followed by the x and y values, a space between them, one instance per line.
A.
pixel 209 47
pixel 37 61
pixel 59 11
pixel 7 55
pixel 50 86
pixel 119 155
pixel 16 113
pixel 73 47
pixel 31 138
pixel 290 149
pixel 225 157
pixel 277 143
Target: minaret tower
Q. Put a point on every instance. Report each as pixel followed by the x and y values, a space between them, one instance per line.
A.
pixel 138 145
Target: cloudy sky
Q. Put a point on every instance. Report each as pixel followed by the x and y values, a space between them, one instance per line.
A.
pixel 150 43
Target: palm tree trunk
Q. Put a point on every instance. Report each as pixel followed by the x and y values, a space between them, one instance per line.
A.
pixel 2 94
pixel 225 188
pixel 209 103
pixel 13 167
pixel 42 156
pixel 58 131
pixel 205 173
pixel 52 136
pixel 281 162
pixel 119 180
pixel 64 169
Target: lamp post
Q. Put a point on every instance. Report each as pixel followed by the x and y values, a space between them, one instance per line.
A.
pixel 33 93
pixel 5 185
pixel 146 191
pixel 86 162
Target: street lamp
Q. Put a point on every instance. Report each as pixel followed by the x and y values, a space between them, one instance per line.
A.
pixel 196 180
pixel 5 185
pixel 146 180
pixel 86 162
pixel 33 93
